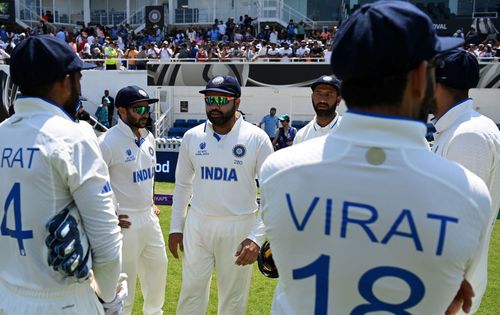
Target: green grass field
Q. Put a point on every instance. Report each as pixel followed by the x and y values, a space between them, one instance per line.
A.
pixel 262 289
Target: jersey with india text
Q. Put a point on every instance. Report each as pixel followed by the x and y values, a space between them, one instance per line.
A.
pixel 382 225
pixel 222 170
pixel 131 165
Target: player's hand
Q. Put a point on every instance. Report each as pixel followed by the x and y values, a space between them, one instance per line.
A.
pixel 463 299
pixel 156 210
pixel 247 252
pixel 123 221
pixel 175 242
pixel 115 307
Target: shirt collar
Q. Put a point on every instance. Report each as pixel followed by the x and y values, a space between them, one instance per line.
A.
pixel 29 104
pixel 452 114
pixel 127 131
pixel 382 130
pixel 332 124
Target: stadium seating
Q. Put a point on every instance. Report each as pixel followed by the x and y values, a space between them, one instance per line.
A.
pixel 190 123
pixel 180 123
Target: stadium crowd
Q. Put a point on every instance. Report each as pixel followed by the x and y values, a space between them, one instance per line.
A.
pixel 119 47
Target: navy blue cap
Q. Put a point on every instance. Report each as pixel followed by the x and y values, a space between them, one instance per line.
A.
pixel 225 84
pixel 386 38
pixel 328 80
pixel 284 117
pixel 43 59
pixel 132 94
pixel 460 71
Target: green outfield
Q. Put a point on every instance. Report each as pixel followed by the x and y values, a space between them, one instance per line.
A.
pixel 262 288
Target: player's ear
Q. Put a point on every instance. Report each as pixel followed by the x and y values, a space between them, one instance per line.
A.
pixel 237 102
pixel 121 111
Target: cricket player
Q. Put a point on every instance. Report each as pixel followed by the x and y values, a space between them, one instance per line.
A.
pixel 48 161
pixel 325 99
pixel 129 151
pixel 217 166
pixel 383 224
pixel 469 138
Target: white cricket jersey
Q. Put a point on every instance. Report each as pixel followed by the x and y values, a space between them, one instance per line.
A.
pixel 369 220
pixel 313 130
pixel 131 165
pixel 47 160
pixel 473 140
pixel 219 171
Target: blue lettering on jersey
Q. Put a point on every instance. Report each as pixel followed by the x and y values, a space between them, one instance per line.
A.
pixel 219 173
pixel 19 157
pixel 143 175
pixel 362 216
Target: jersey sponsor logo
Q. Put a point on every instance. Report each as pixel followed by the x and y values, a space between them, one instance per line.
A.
pixel 17 157
pixel 143 175
pixel 362 217
pixel 219 173
pixel 239 151
pixel 163 168
pixel 202 150
pixel 130 156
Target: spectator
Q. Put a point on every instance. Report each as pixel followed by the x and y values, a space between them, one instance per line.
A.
pixel 110 105
pixel 285 52
pixel 270 123
pixel 166 52
pixel 301 31
pixel 102 113
pixel 285 134
pixel 142 58
pixel 291 30
pixel 131 54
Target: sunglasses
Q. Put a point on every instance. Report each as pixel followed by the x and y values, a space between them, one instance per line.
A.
pixel 141 110
pixel 219 100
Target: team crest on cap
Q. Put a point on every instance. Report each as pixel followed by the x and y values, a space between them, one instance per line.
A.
pixel 218 80
pixel 327 78
pixel 143 93
pixel 239 151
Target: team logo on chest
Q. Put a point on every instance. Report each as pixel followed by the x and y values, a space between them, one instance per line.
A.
pixel 239 150
pixel 202 149
pixel 129 156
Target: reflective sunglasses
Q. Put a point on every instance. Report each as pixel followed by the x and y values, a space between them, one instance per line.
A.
pixel 141 110
pixel 219 100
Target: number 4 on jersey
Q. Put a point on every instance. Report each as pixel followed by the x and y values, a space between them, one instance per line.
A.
pixel 14 198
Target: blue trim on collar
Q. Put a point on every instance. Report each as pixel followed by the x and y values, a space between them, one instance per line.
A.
pixel 395 117
pixel 73 119
pixel 453 106
pixel 139 142
pixel 217 136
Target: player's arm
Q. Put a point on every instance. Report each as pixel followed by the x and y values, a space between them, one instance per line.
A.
pixel 184 174
pixel 82 167
pixel 248 250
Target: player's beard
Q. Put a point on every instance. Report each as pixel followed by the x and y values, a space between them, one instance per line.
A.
pixel 222 118
pixel 136 122
pixel 428 104
pixel 71 105
pixel 324 113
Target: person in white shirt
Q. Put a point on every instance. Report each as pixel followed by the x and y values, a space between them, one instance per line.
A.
pixel 129 151
pixel 285 52
pixel 325 99
pixel 368 220
pixel 50 161
pixel 467 137
pixel 166 52
pixel 216 171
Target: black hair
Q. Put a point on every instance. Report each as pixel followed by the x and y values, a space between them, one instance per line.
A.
pixel 42 90
pixel 369 92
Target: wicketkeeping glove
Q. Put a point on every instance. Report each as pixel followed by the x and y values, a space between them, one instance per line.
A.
pixel 265 261
pixel 68 246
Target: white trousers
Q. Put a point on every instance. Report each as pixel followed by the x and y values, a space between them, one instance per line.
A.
pixel 77 298
pixel 210 242
pixel 144 255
